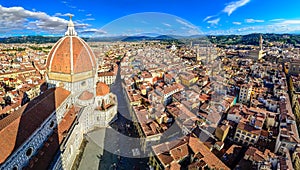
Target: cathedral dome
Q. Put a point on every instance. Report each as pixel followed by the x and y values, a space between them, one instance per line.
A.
pixel 71 55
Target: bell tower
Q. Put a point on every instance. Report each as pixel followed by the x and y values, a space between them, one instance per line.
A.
pixel 261 51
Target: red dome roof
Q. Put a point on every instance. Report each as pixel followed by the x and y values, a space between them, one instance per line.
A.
pixel 102 89
pixel 71 54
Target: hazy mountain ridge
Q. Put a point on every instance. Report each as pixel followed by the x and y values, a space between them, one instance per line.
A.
pixel 250 39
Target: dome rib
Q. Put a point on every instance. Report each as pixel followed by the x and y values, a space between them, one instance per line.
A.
pixel 89 51
pixel 72 55
pixel 52 52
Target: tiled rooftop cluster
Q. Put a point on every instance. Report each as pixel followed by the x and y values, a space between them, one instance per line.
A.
pixel 22 70
pixel 234 99
pixel 109 54
pixel 219 112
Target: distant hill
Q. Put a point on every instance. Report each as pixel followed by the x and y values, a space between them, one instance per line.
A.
pixel 253 39
pixel 29 39
pixel 136 38
pixel 250 39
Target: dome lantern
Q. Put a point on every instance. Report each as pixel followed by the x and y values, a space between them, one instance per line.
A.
pixel 71 29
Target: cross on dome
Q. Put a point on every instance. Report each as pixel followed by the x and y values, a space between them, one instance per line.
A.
pixel 71 29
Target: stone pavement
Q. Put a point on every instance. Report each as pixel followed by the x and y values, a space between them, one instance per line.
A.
pixel 92 152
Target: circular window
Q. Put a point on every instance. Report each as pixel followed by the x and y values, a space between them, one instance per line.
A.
pixel 29 152
pixel 52 124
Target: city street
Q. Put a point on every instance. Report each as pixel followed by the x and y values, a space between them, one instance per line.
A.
pixel 128 142
pixel 120 142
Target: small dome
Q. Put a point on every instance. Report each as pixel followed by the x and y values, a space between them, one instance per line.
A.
pixel 102 89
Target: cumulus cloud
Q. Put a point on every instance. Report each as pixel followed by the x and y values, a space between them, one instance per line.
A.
pixel 250 20
pixel 232 6
pixel 18 18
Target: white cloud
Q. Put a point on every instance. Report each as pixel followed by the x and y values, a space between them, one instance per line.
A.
pixel 237 23
pixel 250 20
pixel 208 17
pixel 232 6
pixel 88 15
pixel 276 19
pixel 60 14
pixel 186 24
pixel 67 4
pixel 18 18
pixel 276 26
pixel 286 26
pixel 214 22
pixel 166 24
pixel 93 31
pixel 90 19
pixel 188 28
pixel 289 22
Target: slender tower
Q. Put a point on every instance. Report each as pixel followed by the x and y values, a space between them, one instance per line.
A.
pixel 260 43
pixel 260 53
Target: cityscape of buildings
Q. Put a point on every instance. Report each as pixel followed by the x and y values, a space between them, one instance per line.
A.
pixel 193 105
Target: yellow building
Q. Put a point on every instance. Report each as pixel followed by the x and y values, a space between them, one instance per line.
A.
pixel 222 132
pixel 188 79
pixel 296 158
pixel 294 87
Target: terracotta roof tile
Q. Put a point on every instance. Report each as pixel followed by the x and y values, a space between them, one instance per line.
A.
pixel 16 128
pixel 59 58
pixel 48 151
pixel 208 157
pixel 102 89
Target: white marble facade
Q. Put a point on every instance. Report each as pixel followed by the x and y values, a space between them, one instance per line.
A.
pixel 92 114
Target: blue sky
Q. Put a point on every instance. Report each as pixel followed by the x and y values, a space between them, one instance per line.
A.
pixel 133 17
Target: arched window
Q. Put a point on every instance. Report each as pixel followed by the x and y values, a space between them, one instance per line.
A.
pixel 15 167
